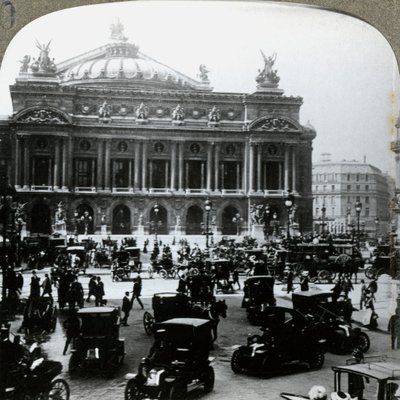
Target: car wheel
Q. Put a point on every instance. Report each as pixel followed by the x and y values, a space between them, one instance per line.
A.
pixel 163 273
pixel 132 390
pixel 317 360
pixel 324 276
pixel 237 361
pixel 362 342
pixel 177 392
pixel 73 366
pixel 59 390
pixel 209 380
pixel 148 323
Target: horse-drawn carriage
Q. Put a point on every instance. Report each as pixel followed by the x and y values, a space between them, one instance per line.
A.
pixel 201 288
pixel 178 360
pixel 77 258
pixel 220 269
pixel 40 314
pixel 98 346
pixel 124 262
pixel 258 294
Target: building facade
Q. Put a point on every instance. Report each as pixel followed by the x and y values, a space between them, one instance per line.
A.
pixel 112 132
pixel 337 186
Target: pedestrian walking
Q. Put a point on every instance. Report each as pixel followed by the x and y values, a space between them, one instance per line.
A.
pixel 99 292
pixel 46 285
pixel 373 287
pixel 126 309
pixel 289 281
pixel 304 282
pixel 363 295
pixel 137 291
pixel 394 330
pixel 337 289
pixel 235 278
pixel 92 288
pixel 35 285
pixel 347 287
pixel 71 326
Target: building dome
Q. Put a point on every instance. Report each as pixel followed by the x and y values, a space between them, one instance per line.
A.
pixel 121 64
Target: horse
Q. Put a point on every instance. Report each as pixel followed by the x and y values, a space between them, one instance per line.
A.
pixel 217 309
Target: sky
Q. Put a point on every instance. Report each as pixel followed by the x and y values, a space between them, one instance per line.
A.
pixel 343 68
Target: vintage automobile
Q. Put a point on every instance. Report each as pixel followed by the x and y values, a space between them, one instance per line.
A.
pixel 375 378
pixel 40 314
pixel 340 335
pixel 166 306
pixel 384 262
pixel 178 362
pixel 77 257
pixel 25 374
pixel 258 294
pixel 120 268
pixel 287 337
pixel 98 346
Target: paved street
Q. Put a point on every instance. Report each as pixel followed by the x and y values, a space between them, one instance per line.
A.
pixel 233 330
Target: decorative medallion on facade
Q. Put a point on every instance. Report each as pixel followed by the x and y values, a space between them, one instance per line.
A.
pixel 231 114
pixel 42 143
pixel 158 147
pixel 178 115
pixel 122 147
pixel 274 125
pixel 84 145
pixel 43 116
pixel 196 113
pixel 195 148
pixel 142 112
pixel 160 112
pixel 123 110
pixel 214 116
pixel 105 112
pixel 272 150
pixel 85 109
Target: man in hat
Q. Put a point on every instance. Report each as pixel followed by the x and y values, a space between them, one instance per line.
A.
pixel 35 285
pixel 304 281
pixel 46 286
pixel 126 308
pixel 136 292
pixel 289 279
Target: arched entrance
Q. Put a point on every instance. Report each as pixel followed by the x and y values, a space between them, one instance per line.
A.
pixel 231 221
pixel 40 219
pixel 85 219
pixel 121 223
pixel 194 221
pixel 160 221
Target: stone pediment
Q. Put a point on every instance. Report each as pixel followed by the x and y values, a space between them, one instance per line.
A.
pixel 42 115
pixel 275 124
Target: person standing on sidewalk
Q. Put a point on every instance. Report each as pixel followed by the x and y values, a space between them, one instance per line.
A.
pixel 126 308
pixel 99 292
pixel 363 295
pixel 46 286
pixel 92 288
pixel 71 326
pixel 373 287
pixel 137 290
pixel 394 330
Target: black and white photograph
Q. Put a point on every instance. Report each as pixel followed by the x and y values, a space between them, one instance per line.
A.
pixel 199 200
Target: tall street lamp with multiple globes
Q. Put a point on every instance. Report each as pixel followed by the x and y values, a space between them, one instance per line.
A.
pixel 289 201
pixel 156 210
pixel 267 211
pixel 376 220
pixel 207 206
pixel 358 207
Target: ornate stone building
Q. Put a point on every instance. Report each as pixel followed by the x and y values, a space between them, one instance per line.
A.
pixel 113 132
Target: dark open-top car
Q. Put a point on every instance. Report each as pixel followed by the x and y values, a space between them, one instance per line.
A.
pixel 258 294
pixel 335 318
pixel 40 314
pixel 98 346
pixel 287 337
pixel 178 361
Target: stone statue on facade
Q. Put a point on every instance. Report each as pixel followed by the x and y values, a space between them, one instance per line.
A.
pixel 140 222
pixel 142 112
pixel 268 75
pixel 103 218
pixel 117 32
pixel 178 221
pixel 203 75
pixel 42 65
pixel 178 114
pixel 59 219
pixel 214 115
pixel 105 112
pixel 25 63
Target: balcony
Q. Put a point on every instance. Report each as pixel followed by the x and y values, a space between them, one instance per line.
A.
pixel 40 188
pixel 122 190
pixel 159 191
pixel 232 192
pixel 83 189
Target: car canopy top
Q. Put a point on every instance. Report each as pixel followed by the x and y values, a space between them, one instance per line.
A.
pixel 380 371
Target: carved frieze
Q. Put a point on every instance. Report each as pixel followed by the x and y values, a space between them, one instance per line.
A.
pixel 274 124
pixel 42 116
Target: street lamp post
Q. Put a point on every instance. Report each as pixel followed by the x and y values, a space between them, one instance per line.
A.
pixel 266 221
pixel 289 201
pixel 156 211
pixel 323 210
pixel 76 218
pixel 275 222
pixel 376 220
pixel 237 219
pixel 6 191
pixel 358 207
pixel 207 206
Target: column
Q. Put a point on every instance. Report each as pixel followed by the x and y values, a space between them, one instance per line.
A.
pixel 130 175
pixel 49 180
pixel 294 185
pixel 222 176
pixel 113 170
pixel 280 175
pixel 100 159
pixel 26 163
pixel 286 169
pixel 166 174
pixel 150 164
pixel 216 167
pixel 93 172
pixel 202 175
pixel 245 170
pixel 64 150
pixel 136 183
pixel 209 166
pixel 187 175
pixel 144 166
pixel 251 168
pixel 17 159
pixel 237 176
pixel 181 169
pixel 56 181
pixel 259 172
pixel 107 172
pixel 70 163
pixel 173 164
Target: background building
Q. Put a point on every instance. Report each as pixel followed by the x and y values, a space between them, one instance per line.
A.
pixel 337 186
pixel 113 132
